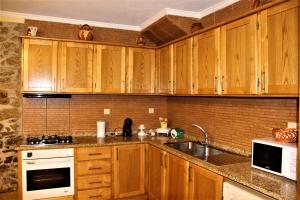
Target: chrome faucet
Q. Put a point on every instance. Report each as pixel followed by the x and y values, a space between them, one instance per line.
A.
pixel 204 132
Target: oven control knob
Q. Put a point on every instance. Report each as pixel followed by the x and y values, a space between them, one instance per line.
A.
pixel 29 154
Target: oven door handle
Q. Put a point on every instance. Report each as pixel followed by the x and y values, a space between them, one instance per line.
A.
pixel 30 162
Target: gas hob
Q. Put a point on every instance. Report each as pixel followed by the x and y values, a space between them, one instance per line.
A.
pixel 49 139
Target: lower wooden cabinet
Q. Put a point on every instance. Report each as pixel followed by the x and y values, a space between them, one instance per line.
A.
pixel 156 170
pixel 129 170
pixel 171 178
pixel 204 184
pixel 93 173
pixel 176 178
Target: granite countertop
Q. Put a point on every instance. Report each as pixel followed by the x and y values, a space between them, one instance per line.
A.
pixel 266 183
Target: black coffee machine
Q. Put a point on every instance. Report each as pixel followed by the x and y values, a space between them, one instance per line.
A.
pixel 127 131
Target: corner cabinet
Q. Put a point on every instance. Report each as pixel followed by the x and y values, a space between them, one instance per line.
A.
pixel 279 50
pixel 182 52
pixel 76 65
pixel 141 70
pixel 39 65
pixel 239 57
pixel 129 170
pixel 206 62
pixel 109 69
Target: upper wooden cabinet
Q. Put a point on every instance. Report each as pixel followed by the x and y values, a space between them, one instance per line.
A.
pixel 204 184
pixel 109 69
pixel 129 170
pixel 182 61
pixel 206 62
pixel 239 56
pixel 279 51
pixel 76 62
pixel 141 70
pixel 39 65
pixel 164 70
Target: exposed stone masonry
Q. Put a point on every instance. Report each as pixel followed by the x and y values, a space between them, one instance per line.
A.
pixel 10 62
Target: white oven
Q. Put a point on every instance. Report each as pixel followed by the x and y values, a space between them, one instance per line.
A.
pixel 47 173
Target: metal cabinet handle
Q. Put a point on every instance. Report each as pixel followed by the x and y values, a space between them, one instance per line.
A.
pixel 223 83
pixel 169 86
pixel 54 83
pixel 190 174
pixel 263 81
pixel 95 182
pixel 166 161
pixel 30 162
pixel 215 86
pixel 117 153
pixel 94 154
pixel 94 168
pixel 96 196
pixel 161 159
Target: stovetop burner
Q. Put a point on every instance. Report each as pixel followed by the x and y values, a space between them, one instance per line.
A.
pixel 49 139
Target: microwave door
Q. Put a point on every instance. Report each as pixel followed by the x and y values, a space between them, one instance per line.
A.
pixel 267 157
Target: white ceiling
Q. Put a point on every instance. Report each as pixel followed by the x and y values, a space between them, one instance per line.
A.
pixel 125 14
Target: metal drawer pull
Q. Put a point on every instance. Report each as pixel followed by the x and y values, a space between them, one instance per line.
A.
pixel 94 154
pixel 95 182
pixel 94 168
pixel 95 196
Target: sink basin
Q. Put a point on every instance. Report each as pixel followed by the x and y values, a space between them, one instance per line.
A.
pixel 207 153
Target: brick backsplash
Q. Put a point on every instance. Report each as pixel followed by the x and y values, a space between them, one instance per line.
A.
pixel 79 114
pixel 229 121
pixel 232 121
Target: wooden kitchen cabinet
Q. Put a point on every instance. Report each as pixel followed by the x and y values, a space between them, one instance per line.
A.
pixel 76 64
pixel 109 69
pixel 164 70
pixel 93 173
pixel 204 184
pixel 177 182
pixel 183 67
pixel 239 56
pixel 206 62
pixel 141 70
pixel 39 69
pixel 279 49
pixel 129 170
pixel 157 172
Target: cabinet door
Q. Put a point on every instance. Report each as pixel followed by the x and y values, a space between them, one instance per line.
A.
pixel 76 67
pixel 183 66
pixel 239 56
pixel 141 70
pixel 39 65
pixel 280 35
pixel 204 184
pixel 129 170
pixel 109 69
pixel 164 66
pixel 176 178
pixel 156 173
pixel 206 62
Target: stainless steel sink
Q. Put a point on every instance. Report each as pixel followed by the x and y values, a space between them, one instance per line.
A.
pixel 207 153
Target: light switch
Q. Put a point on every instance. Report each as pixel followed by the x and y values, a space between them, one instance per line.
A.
pixel 151 110
pixel 292 125
pixel 106 111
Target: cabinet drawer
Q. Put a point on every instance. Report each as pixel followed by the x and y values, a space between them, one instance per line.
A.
pixel 94 167
pixel 93 153
pixel 102 193
pixel 94 181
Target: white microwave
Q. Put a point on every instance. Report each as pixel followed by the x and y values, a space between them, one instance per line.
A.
pixel 275 157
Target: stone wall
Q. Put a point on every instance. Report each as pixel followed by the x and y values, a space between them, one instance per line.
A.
pixel 10 59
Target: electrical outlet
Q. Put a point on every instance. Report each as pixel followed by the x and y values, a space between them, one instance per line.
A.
pixel 151 110
pixel 106 111
pixel 292 125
